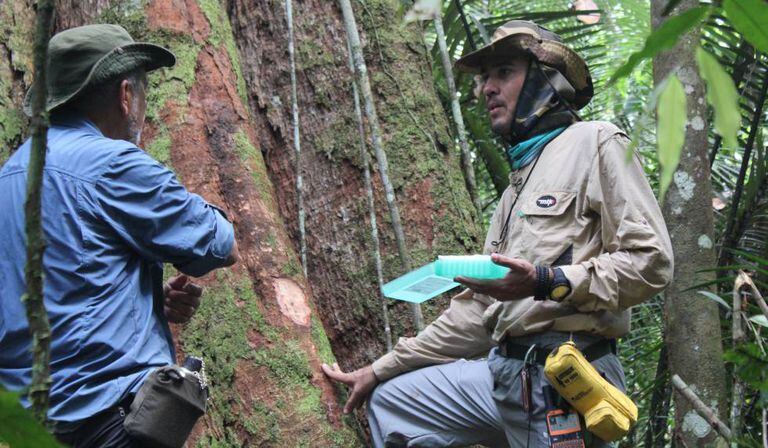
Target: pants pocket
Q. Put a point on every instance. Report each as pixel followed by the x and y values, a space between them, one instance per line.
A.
pixel 507 388
pixel 610 367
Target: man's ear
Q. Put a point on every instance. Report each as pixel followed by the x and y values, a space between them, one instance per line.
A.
pixel 127 97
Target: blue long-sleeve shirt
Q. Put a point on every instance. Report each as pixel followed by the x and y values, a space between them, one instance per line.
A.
pixel 110 212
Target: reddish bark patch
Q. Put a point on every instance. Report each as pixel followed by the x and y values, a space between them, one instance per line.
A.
pixel 178 16
pixel 208 161
pixel 419 212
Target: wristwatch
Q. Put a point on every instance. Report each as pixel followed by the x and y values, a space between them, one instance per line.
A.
pixel 543 283
pixel 560 287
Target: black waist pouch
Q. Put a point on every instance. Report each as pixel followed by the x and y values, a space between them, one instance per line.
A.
pixel 166 407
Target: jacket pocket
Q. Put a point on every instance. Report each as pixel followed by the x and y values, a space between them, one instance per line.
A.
pixel 549 221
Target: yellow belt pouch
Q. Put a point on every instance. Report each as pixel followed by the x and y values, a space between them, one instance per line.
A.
pixel 608 412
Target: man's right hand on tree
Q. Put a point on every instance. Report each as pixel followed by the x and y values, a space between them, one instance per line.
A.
pixel 361 382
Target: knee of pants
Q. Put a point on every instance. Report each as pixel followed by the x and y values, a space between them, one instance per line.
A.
pixel 375 400
pixel 376 410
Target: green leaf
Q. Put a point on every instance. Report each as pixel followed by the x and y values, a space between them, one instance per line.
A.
pixel 722 96
pixel 760 320
pixel 749 17
pixel 18 427
pixel 671 115
pixel 663 38
pixel 716 298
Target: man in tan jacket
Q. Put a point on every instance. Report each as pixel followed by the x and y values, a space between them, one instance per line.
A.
pixel 583 237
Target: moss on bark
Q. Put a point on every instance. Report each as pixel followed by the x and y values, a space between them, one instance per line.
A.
pixel 16 34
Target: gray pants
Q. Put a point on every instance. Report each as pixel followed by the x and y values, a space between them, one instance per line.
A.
pixel 472 402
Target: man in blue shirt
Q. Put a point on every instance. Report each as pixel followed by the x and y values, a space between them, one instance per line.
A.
pixel 112 216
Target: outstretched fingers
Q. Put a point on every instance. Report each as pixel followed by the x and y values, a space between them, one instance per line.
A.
pixel 336 374
pixel 356 398
pixel 361 382
pixel 477 285
pixel 514 264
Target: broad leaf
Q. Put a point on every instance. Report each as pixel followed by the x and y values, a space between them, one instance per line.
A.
pixel 671 114
pixel 18 427
pixel 716 298
pixel 760 320
pixel 663 38
pixel 721 95
pixel 750 18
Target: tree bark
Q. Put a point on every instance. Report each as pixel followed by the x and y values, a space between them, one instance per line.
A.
pixel 257 327
pixel 431 196
pixel 375 244
pixel 364 84
pixel 17 29
pixel 692 332
pixel 458 120
pixel 221 118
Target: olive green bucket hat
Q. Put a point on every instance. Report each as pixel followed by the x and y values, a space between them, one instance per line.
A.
pixel 525 38
pixel 89 55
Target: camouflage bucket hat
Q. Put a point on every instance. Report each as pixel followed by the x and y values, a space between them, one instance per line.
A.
pixel 89 55
pixel 524 38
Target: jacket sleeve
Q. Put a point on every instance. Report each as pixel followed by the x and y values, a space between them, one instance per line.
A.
pixel 151 212
pixel 458 333
pixel 636 261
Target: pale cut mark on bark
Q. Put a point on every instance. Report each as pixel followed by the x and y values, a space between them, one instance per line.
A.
pixel 361 74
pixel 458 120
pixel 296 139
pixel 366 160
pixel 702 409
pixel 292 301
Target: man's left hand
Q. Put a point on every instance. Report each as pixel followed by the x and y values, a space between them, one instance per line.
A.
pixel 519 283
pixel 182 298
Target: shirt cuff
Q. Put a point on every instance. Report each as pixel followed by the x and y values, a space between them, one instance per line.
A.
pixel 225 236
pixel 579 278
pixel 387 367
pixel 220 249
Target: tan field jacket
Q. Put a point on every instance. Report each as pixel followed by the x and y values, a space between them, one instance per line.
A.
pixel 587 207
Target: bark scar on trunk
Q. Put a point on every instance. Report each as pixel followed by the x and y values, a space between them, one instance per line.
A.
pixel 292 301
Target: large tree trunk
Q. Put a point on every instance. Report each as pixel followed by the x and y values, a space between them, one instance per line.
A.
pixel 221 120
pixel 17 28
pixel 692 323
pixel 437 213
pixel 257 328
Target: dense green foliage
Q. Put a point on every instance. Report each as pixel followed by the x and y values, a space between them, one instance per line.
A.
pixel 19 427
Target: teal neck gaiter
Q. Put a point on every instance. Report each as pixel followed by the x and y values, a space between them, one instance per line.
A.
pixel 523 153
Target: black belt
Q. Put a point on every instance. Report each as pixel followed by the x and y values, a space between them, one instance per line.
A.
pixel 538 355
pixel 123 407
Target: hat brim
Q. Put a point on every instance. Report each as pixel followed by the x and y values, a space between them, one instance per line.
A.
pixel 118 61
pixel 548 52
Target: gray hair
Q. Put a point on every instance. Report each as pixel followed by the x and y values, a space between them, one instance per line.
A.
pixel 102 96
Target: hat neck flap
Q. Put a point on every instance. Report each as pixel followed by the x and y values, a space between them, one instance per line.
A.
pixel 540 105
